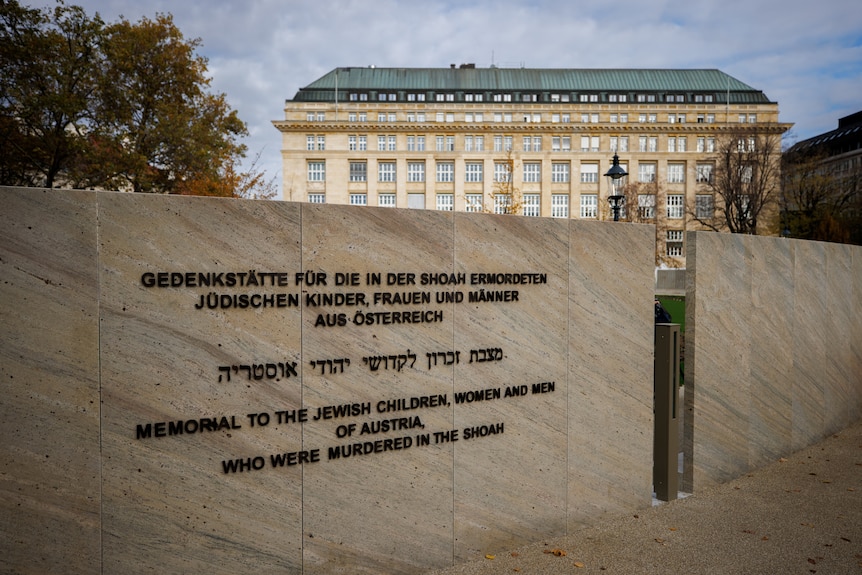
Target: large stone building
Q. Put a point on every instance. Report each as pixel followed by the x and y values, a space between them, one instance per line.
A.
pixel 823 185
pixel 532 141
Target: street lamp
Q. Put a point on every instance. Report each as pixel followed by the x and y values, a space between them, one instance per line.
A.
pixel 614 175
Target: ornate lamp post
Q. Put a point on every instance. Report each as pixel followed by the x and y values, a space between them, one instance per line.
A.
pixel 614 175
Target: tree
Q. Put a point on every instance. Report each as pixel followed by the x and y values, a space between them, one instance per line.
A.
pixel 48 65
pixel 231 183
pixel 644 203
pixel 121 106
pixel 821 200
pixel 745 183
pixel 157 124
pixel 506 196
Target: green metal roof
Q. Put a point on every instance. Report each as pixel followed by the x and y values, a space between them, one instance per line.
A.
pixel 471 79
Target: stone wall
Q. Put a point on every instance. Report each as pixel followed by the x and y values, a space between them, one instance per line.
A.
pixel 773 355
pixel 226 386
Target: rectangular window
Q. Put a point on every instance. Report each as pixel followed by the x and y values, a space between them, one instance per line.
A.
pixel 674 243
pixel 559 206
pixel 653 144
pixel 704 173
pixel 386 172
pixel 646 206
pixel 681 144
pixel 450 143
pixel 671 144
pixel 528 144
pixel 473 172
pixel 532 172
pixel 498 143
pixel 363 116
pixel 675 206
pixel 480 143
pixel 704 206
pixel 560 172
pixel 502 203
pixel 468 143
pixel 415 171
pixel 309 143
pixel 589 173
pixel 445 202
pixel 507 143
pixel 358 200
pixel 381 143
pixel 316 198
pixel 502 172
pixel 445 172
pixel 589 206
pixel 555 143
pixel 420 143
pixel 646 172
pixel 363 143
pixel 358 172
pixel 316 171
pixel 411 143
pixel 532 205
pixel 351 143
pixel 585 143
pixel 392 143
pixel 386 200
pixel 675 173
pixel 441 143
pixel 351 117
pixel 474 203
pixel 321 142
pixel 642 143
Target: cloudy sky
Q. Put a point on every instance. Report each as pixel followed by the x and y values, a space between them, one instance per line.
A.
pixel 805 55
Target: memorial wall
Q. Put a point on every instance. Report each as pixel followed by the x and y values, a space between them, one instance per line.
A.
pixel 228 386
pixel 773 356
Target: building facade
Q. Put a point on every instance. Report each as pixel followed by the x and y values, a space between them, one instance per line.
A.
pixel 530 141
pixel 822 191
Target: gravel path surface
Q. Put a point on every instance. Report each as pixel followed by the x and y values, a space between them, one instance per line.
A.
pixel 801 514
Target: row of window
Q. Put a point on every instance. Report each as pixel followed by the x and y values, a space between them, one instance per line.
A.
pixel 503 172
pixel 475 143
pixel 384 96
pixel 531 117
pixel 531 204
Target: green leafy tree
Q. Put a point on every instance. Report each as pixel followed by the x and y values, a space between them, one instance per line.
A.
pixel 49 63
pixel 121 106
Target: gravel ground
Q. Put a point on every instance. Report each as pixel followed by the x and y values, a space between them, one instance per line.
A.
pixel 801 514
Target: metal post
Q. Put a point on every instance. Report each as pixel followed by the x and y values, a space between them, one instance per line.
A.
pixel 666 389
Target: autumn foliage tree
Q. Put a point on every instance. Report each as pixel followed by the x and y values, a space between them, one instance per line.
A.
pixel 121 106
